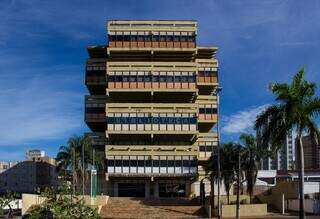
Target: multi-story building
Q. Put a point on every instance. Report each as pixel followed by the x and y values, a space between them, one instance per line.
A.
pixel 283 159
pixel 29 175
pixel 153 107
pixel 311 154
pixel 4 165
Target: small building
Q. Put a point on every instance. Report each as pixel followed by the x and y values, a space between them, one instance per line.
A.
pixel 29 176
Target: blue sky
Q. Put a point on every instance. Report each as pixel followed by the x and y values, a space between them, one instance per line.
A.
pixel 43 53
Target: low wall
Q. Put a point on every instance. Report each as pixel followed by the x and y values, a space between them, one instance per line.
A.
pixel 311 205
pixel 250 210
pixel 29 200
pixel 232 199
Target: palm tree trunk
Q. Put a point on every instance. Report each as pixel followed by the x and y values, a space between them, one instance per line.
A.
pixel 228 196
pixel 301 176
pixel 212 194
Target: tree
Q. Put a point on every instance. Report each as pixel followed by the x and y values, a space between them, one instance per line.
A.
pixel 61 204
pixel 296 108
pixel 228 153
pixel 77 157
pixel 251 157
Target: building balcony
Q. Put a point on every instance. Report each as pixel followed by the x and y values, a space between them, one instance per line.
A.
pixel 152 150
pixel 207 143
pixel 155 123
pixel 95 115
pixel 95 78
pixel 98 138
pixel 151 166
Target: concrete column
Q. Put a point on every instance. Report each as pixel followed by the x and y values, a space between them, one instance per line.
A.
pixel 115 189
pixel 147 189
pixel 156 189
pixel 188 189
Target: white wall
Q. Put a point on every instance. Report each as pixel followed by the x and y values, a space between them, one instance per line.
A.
pixel 311 205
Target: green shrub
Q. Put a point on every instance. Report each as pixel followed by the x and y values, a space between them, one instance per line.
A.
pixel 62 204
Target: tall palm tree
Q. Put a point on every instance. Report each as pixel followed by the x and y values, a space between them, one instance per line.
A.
pixel 76 156
pixel 251 157
pixel 296 108
pixel 228 153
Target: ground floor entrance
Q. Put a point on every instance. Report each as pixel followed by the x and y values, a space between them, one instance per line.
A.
pixel 131 189
pixel 149 188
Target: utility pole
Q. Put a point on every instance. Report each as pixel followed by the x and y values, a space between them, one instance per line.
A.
pixel 82 169
pixel 238 184
pixel 217 90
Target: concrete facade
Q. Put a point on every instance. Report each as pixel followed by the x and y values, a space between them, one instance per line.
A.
pixel 29 176
pixel 284 157
pixel 153 107
pixel 311 154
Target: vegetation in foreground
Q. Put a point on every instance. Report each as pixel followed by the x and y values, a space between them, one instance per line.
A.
pixel 297 108
pixel 61 204
pixel 5 201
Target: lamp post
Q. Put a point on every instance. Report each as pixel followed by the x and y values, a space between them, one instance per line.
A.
pixel 238 184
pixel 216 91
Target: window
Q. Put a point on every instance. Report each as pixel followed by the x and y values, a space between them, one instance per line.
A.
pixel 185 163
pixel 111 78
pixel 184 38
pixel 147 78
pixel 147 38
pixel 133 38
pixel 125 78
pixel 133 163
pixel 156 163
pixel 112 38
pixel 126 38
pixel 170 78
pixel 170 38
pixel 119 38
pixel 118 78
pixel 110 163
pixel 162 38
pixel 191 38
pixel 191 79
pixel 184 78
pixel 170 163
pixel 176 38
pixel 148 163
pixel 155 38
pixel 132 78
pixel 178 163
pixel 140 78
pixel 155 78
pixel 126 163
pixel 141 163
pixel 140 38
pixel 118 163
pixel 163 163
pixel 162 78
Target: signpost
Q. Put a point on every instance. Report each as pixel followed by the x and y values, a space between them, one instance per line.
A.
pixel 93 193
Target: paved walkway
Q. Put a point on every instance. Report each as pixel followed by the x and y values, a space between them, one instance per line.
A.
pixel 142 208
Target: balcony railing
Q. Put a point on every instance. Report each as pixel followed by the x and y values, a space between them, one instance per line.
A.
pixel 154 80
pixel 95 117
pixel 175 165
pixel 156 40
pixel 96 80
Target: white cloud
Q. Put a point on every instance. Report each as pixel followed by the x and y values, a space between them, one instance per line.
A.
pixel 41 106
pixel 242 121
